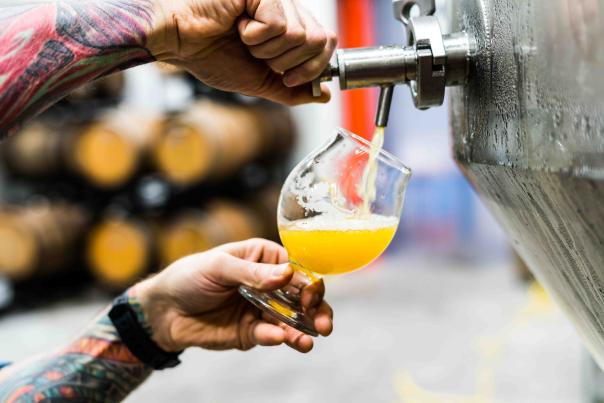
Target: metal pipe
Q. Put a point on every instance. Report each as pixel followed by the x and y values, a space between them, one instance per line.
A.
pixel 377 66
pixel 393 65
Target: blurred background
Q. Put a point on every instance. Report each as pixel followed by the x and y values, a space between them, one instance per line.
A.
pixel 138 169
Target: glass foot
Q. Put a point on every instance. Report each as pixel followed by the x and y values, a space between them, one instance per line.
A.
pixel 281 305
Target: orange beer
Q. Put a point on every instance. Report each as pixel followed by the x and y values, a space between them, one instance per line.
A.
pixel 325 246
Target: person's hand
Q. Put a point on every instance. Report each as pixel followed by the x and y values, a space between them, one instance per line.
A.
pixel 265 48
pixel 195 302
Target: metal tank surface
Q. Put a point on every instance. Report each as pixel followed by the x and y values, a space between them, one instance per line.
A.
pixel 528 132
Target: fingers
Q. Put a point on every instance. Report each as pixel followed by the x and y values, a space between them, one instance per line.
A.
pixel 300 49
pixel 266 334
pixel 311 69
pixel 276 91
pixel 230 271
pixel 312 295
pixel 257 250
pixel 293 338
pixel 297 340
pixel 323 319
pixel 268 20
pixel 274 333
pixel 314 305
pixel 293 36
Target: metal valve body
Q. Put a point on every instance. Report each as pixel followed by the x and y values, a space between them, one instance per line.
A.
pixel 430 62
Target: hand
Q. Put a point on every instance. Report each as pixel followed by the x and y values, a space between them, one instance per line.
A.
pixel 195 302
pixel 265 48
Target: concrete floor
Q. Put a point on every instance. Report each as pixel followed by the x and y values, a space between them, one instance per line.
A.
pixel 407 329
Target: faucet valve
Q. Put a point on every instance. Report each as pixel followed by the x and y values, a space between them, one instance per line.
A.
pixel 430 62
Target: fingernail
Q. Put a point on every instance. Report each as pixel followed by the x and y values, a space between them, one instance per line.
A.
pixel 291 80
pixel 281 270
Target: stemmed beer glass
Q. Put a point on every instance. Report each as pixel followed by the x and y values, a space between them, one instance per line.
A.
pixel 324 225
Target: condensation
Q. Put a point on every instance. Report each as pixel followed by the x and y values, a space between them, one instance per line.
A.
pixel 529 133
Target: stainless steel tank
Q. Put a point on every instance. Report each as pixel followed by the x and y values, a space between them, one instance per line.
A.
pixel 528 132
pixel 527 118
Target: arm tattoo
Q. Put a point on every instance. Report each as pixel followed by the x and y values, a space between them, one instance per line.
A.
pixel 49 48
pixel 97 367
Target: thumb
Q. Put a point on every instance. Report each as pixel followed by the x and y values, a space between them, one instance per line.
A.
pixel 233 272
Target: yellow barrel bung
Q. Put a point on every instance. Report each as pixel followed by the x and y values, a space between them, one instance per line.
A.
pixel 39 239
pixel 211 140
pixel 184 154
pixel 37 150
pixel 109 151
pixel 335 246
pixel 18 249
pixel 195 231
pixel 190 232
pixel 238 222
pixel 118 251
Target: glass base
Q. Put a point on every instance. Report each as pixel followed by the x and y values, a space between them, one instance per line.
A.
pixel 281 305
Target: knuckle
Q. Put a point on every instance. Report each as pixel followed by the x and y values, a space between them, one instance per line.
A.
pixel 216 258
pixel 297 35
pixel 278 26
pixel 257 275
pixel 309 71
pixel 332 38
pixel 258 240
pixel 318 42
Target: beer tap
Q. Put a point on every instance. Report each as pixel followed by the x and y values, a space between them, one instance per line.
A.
pixel 430 62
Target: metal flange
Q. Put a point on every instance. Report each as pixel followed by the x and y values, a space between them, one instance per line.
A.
pixel 426 37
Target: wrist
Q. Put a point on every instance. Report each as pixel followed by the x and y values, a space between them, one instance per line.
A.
pixel 162 38
pixel 157 314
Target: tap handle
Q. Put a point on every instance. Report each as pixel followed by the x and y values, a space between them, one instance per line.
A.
pixel 328 74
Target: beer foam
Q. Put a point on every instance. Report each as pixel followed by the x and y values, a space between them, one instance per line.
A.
pixel 324 222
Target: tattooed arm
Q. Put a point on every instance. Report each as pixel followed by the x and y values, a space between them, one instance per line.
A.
pixel 96 367
pixel 49 48
pixel 265 48
pixel 194 302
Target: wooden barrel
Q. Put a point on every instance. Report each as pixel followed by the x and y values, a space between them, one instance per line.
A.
pixel 195 231
pixel 119 251
pixel 40 239
pixel 213 140
pixel 109 151
pixel 264 203
pixel 38 150
pixel 190 232
pixel 238 221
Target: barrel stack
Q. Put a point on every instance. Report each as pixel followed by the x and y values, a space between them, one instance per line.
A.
pixel 95 185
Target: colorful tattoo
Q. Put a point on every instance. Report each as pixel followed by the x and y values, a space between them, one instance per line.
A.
pixel 49 48
pixel 97 367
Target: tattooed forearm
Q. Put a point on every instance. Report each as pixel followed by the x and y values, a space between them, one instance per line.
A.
pixel 49 48
pixel 97 367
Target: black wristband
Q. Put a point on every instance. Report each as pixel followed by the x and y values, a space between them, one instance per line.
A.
pixel 136 338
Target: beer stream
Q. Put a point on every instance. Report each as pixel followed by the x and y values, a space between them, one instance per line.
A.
pixel 367 186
